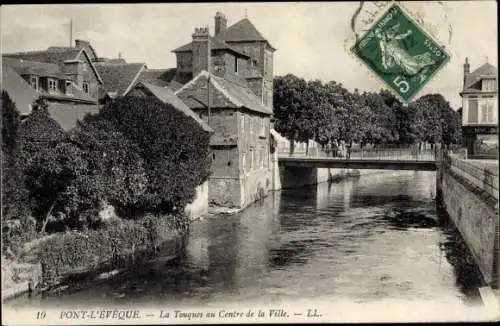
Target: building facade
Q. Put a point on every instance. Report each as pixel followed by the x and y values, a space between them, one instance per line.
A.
pixel 65 77
pixel 480 111
pixel 230 87
pixel 57 71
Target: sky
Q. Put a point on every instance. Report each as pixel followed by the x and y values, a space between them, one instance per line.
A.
pixel 310 38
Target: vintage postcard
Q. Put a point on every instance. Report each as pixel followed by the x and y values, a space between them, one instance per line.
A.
pixel 291 162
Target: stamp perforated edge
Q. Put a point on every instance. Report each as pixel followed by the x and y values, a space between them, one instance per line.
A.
pixel 422 29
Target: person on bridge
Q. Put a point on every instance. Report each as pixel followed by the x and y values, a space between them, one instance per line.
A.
pixel 335 148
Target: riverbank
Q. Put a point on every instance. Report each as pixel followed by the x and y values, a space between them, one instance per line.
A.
pixel 285 248
pixel 61 259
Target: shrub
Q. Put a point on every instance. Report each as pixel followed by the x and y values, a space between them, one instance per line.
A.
pixel 14 200
pixel 114 242
pixel 17 226
pixel 10 123
pixel 17 232
pixel 38 132
pixel 114 171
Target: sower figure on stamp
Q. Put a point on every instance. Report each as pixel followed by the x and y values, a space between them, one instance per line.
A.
pixel 394 55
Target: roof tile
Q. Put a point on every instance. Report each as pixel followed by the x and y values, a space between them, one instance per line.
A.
pixel 238 95
pixel 55 55
pixel 67 115
pixel 158 77
pixel 42 69
pixel 167 96
pixel 487 69
pixel 215 44
pixel 119 77
pixel 22 67
pixel 242 31
pixel 19 90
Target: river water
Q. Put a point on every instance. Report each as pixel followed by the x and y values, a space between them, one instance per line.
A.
pixel 378 237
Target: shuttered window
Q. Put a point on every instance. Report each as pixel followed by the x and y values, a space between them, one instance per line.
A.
pixel 472 117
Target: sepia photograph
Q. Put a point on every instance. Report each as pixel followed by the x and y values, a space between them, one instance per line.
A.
pixel 261 162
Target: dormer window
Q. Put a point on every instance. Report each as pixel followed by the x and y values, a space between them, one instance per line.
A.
pixel 52 85
pixel 34 82
pixel 69 90
pixel 85 87
pixel 489 85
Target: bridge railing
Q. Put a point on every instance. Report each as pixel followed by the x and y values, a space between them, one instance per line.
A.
pixel 483 177
pixel 368 154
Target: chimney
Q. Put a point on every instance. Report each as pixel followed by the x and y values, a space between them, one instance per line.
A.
pixel 201 50
pixel 466 69
pixel 81 44
pixel 220 22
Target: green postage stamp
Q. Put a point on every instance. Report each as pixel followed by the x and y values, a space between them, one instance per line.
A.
pixel 403 55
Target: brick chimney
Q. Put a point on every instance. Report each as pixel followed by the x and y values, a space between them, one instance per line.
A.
pixel 220 22
pixel 201 50
pixel 466 69
pixel 79 44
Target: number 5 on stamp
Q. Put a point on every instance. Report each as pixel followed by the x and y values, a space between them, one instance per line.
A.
pixel 400 53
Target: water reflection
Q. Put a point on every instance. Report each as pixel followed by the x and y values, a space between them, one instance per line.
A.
pixel 379 236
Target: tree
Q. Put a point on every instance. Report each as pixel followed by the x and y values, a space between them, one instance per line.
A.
pixel 113 171
pixel 48 176
pixel 324 112
pixel 173 147
pixel 289 104
pixel 10 123
pixel 14 198
pixel 38 132
pixel 441 123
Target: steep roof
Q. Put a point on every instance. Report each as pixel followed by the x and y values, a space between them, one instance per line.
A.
pixel 54 55
pixel 240 95
pixel 167 96
pixel 180 79
pixel 77 96
pixel 487 69
pixel 67 115
pixel 119 77
pixel 242 31
pixel 20 92
pixel 158 77
pixel 26 67
pixel 42 69
pixel 215 44
pixel 236 94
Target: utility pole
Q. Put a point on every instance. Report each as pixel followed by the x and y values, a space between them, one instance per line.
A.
pixel 70 32
pixel 209 106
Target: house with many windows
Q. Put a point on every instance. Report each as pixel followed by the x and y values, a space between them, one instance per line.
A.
pixel 226 78
pixel 65 77
pixel 480 110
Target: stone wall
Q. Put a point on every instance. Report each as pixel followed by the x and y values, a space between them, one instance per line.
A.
pixel 475 215
pixel 199 206
pixel 295 177
pixel 224 191
pixel 19 278
pixel 255 185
